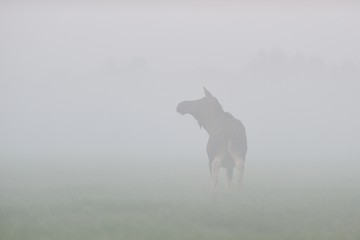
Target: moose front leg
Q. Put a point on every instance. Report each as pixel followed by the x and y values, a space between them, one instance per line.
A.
pixel 229 174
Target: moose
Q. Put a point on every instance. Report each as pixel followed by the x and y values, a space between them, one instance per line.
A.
pixel 227 144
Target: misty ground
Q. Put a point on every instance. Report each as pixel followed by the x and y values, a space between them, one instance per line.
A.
pixel 139 198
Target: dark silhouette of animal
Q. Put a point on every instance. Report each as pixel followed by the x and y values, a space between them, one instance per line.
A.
pixel 227 143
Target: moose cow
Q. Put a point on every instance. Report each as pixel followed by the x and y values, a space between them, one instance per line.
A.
pixel 227 144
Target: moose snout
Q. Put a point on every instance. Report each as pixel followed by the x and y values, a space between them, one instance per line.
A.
pixel 181 108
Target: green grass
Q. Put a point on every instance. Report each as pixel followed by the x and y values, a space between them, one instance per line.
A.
pixel 110 202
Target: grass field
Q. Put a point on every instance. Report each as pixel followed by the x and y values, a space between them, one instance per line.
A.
pixel 105 199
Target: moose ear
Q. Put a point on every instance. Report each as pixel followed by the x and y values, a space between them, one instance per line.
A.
pixel 207 93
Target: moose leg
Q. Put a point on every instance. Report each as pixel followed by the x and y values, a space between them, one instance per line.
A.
pixel 240 167
pixel 215 172
pixel 229 173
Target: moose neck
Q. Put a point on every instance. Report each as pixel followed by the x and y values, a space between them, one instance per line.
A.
pixel 207 122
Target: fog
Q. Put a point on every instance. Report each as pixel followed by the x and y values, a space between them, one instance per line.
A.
pixel 106 78
pixel 91 89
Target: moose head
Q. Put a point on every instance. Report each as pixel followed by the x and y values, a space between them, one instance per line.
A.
pixel 201 109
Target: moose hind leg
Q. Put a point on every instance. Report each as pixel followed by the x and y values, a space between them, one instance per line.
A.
pixel 240 168
pixel 215 172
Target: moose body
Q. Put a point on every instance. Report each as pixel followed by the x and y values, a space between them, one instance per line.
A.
pixel 227 143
